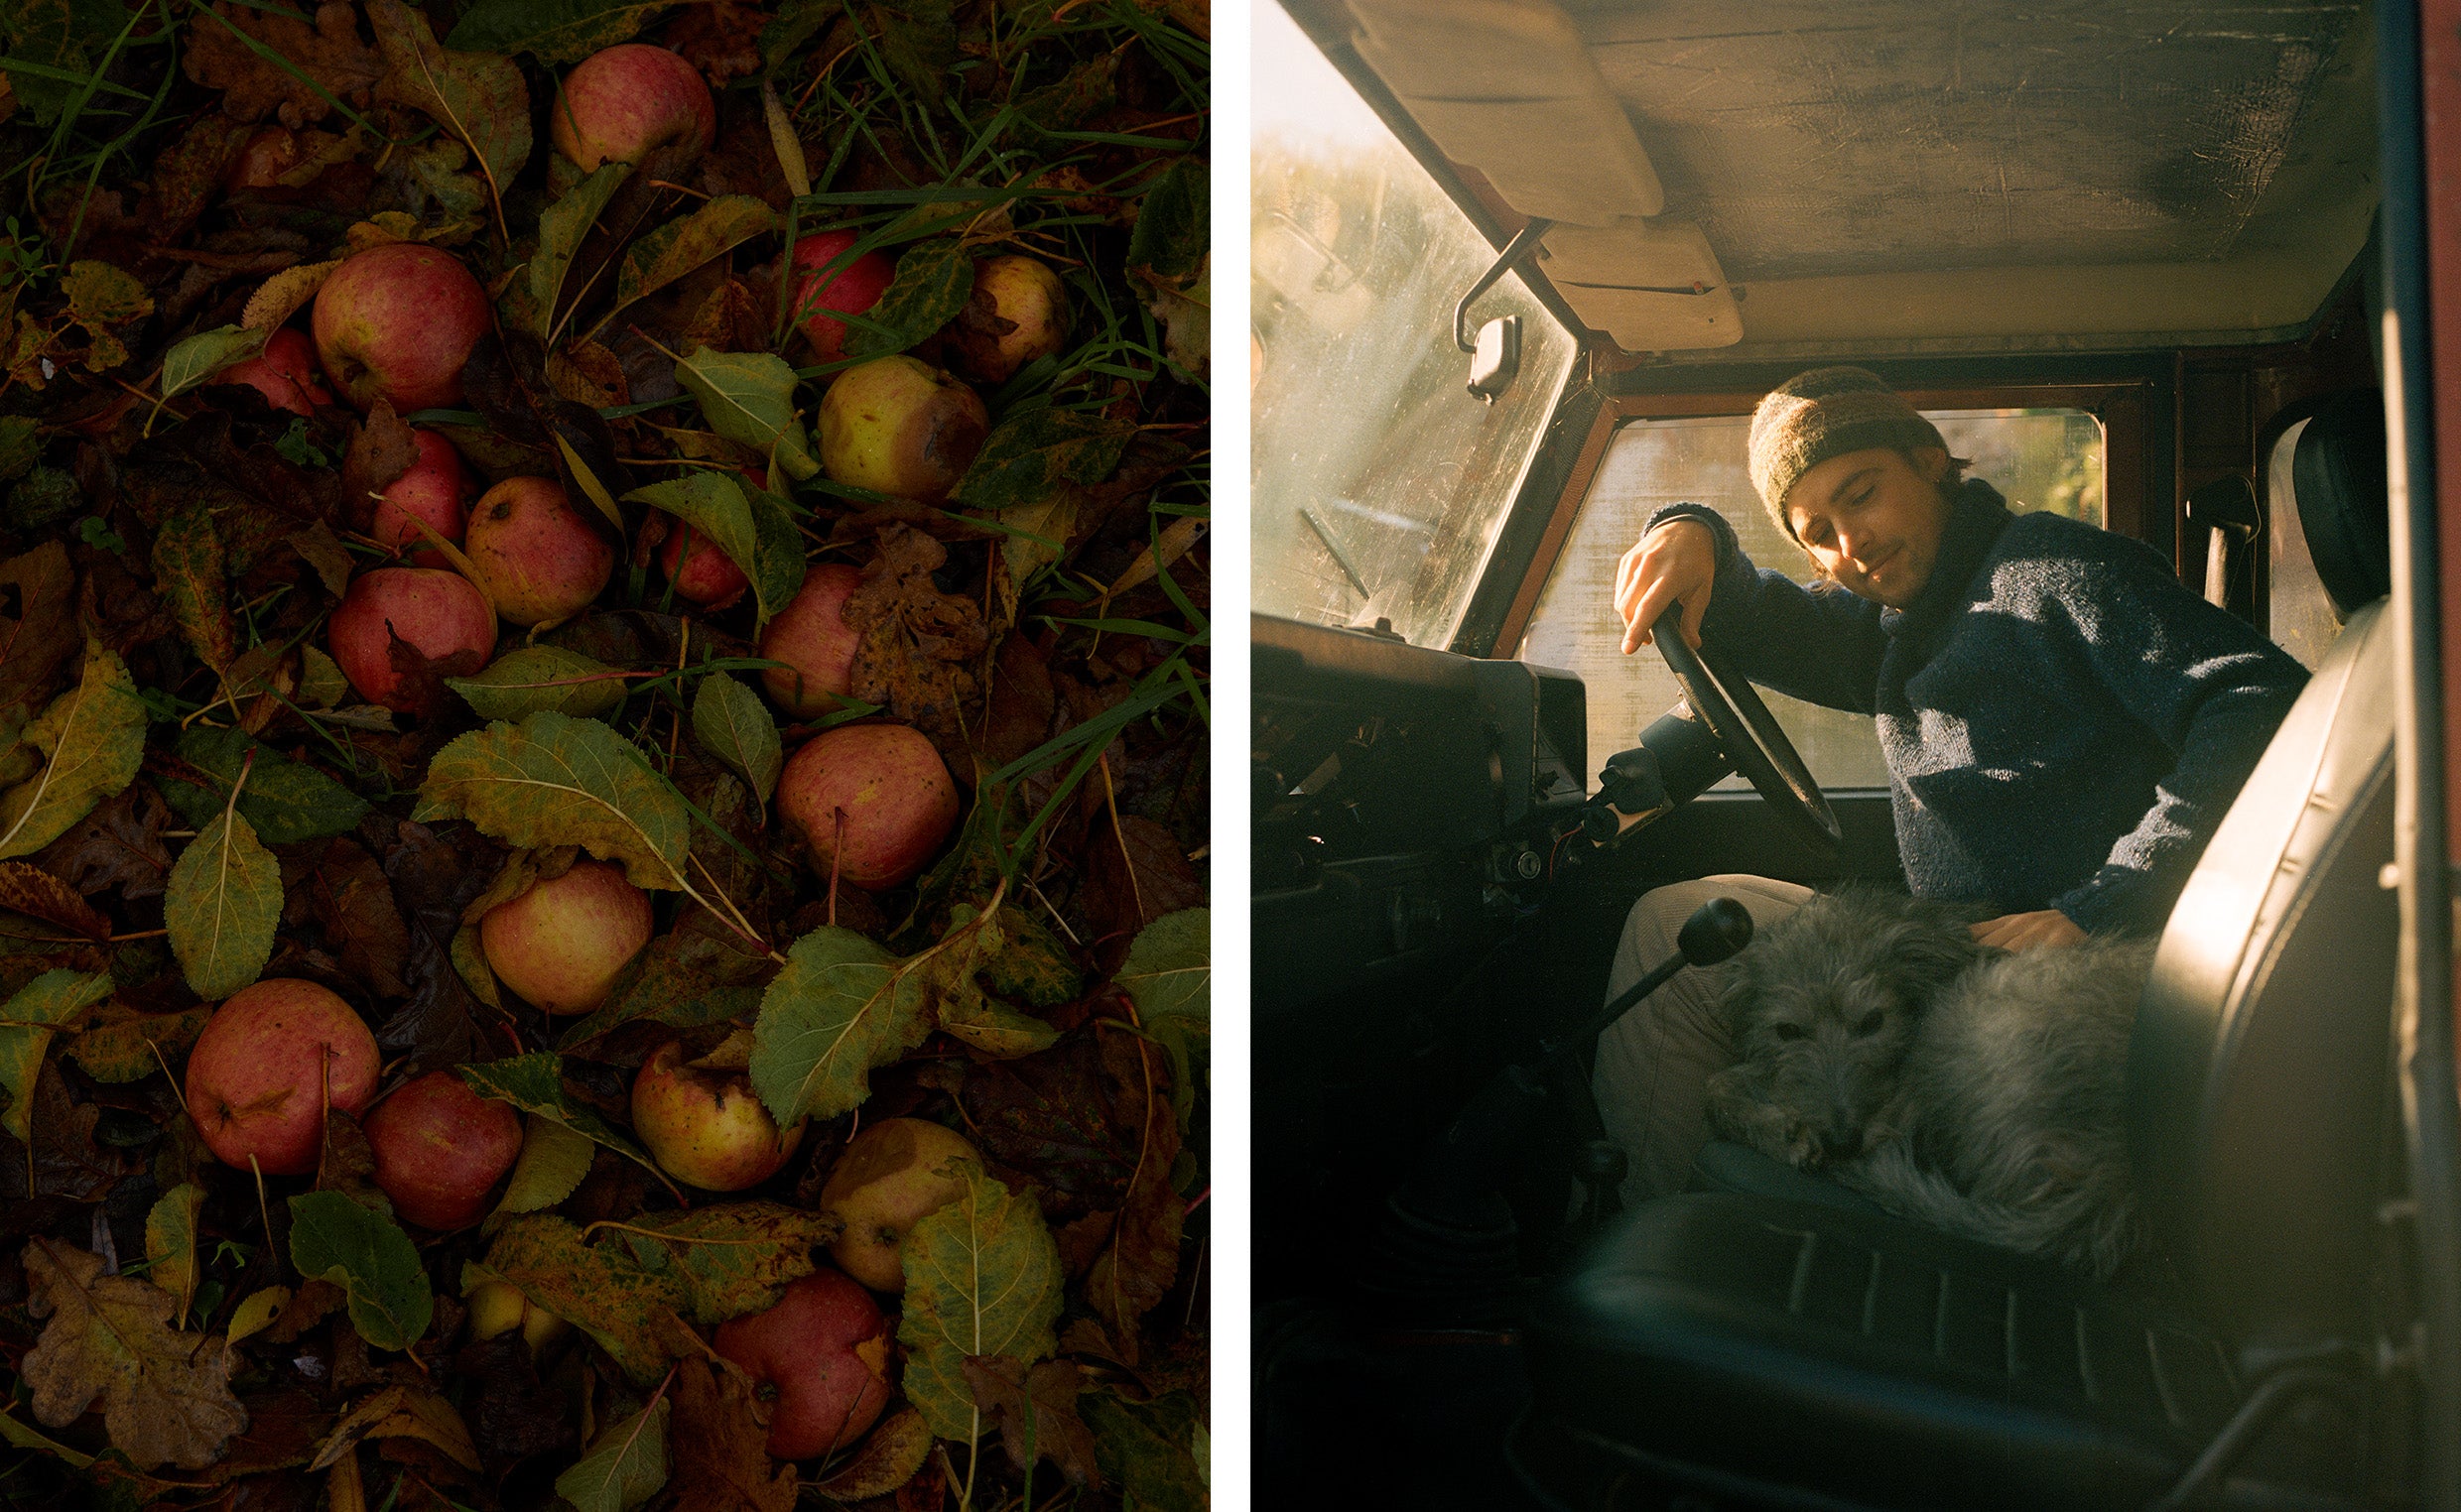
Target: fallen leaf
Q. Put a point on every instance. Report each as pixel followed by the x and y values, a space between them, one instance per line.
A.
pixel 982 1277
pixel 42 634
pixel 552 780
pixel 887 1459
pixel 400 1412
pixel 1035 1411
pixel 95 737
pixel 219 55
pixel 28 1020
pixel 1149 1449
pixel 29 889
pixel 222 906
pixel 284 801
pixel 531 679
pixel 366 1254
pixel 166 1394
pixel 719 1446
pixel 625 1468
pixel 199 359
pixel 534 1084
pixel 1142 1260
pixel 554 1158
pixel 337 885
pixel 555 32
pixel 841 1009
pixel 934 278
pixel 171 1245
pixel 125 1045
pixel 734 725
pixel 667 253
pixel 478 97
pixel 117 844
pixel 749 398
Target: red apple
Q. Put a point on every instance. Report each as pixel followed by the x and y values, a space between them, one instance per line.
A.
pixel 852 289
pixel 701 573
pixel 285 372
pixel 262 1074
pixel 707 1126
pixel 563 944
pixel 898 426
pixel 437 612
pixel 497 1307
pixel 811 636
pixel 892 1175
pixel 538 558
pixel 626 101
pixel 441 1148
pixel 823 1353
pixel 436 489
pixel 1028 295
pixel 396 322
pixel 891 789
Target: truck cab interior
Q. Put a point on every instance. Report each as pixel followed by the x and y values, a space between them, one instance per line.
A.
pixel 1521 271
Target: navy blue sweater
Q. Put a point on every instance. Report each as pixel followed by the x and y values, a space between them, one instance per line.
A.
pixel 2064 723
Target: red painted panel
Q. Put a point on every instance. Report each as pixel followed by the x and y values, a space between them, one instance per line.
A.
pixel 2440 22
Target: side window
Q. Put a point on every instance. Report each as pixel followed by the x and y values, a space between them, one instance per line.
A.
pixel 2299 614
pixel 2049 458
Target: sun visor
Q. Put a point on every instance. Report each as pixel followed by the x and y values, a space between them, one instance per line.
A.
pixel 1653 287
pixel 1507 87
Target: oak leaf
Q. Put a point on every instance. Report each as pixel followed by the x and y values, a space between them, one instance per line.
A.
pixel 166 1394
pixel 218 55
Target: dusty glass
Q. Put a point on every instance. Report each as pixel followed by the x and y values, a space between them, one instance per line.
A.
pixel 2048 458
pixel 1379 481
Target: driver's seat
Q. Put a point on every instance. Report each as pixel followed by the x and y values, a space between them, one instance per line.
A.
pixel 1775 1350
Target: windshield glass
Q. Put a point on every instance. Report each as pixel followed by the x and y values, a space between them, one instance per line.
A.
pixel 1379 481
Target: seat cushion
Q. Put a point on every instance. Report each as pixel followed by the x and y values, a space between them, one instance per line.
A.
pixel 1724 1167
pixel 1798 1344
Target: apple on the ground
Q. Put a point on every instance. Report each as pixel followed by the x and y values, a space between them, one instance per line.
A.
pixel 822 1356
pixel 874 800
pixel 285 372
pixel 705 1126
pixel 811 636
pixel 1029 297
pixel 270 1061
pixel 441 1148
pixel 437 611
pixel 435 489
pixel 536 557
pixel 891 1176
pixel 563 944
pixel 622 103
pixel 700 571
pixel 397 322
pixel 498 1306
pixel 821 294
pixel 900 426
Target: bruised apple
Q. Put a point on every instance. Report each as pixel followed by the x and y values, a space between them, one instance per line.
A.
pixel 497 1307
pixel 624 102
pixel 892 1175
pixel 872 800
pixel 707 1126
pixel 1029 319
pixel 538 558
pixel 435 611
pixel 441 1148
pixel 436 490
pixel 821 1355
pixel 900 426
pixel 285 372
pixel 271 1060
pixel 820 296
pixel 397 322
pixel 811 636
pixel 698 570
pixel 563 944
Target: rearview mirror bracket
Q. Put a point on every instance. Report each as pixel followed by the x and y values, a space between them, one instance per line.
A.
pixel 1495 351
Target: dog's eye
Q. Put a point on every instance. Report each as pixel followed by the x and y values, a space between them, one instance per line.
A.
pixel 1869 1025
pixel 1787 1031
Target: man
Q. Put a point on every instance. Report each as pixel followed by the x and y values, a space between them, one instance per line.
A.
pixel 2064 723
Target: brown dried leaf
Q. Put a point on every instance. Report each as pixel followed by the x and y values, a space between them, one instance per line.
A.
pixel 887 1460
pixel 432 880
pixel 1136 873
pixel 32 890
pixel 254 87
pixel 279 297
pixel 1036 1407
pixel 918 643
pixel 719 1444
pixel 321 549
pixel 1142 1260
pixel 126 1045
pixel 721 39
pixel 314 1301
pixel 38 642
pixel 65 1160
pixel 347 1163
pixel 381 452
pixel 338 885
pixel 119 844
pixel 513 1414
pixel 400 1412
pixel 166 1394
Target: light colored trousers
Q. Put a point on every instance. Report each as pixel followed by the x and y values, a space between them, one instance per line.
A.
pixel 1653 1065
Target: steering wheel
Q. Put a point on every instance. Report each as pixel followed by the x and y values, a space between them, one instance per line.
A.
pixel 1749 735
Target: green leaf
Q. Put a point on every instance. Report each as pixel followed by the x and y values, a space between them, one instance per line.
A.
pixel 843 1008
pixel 188 573
pixel 478 97
pixel 552 780
pixel 321 682
pixel 963 1008
pixel 27 1023
pixel 1031 965
pixel 1169 972
pixel 777 549
pixel 63 35
pixel 555 32
pixel 334 1238
pixel 919 40
pixel 686 978
pixel 534 1084
pixel 796 23
pixel 1174 225
pixel 206 354
pixel 221 906
pixel 661 256
pixel 734 725
pixel 126 1046
pixel 94 738
pixel 1149 1449
pixel 712 504
pixel 597 1289
pixel 982 1277
pixel 934 280
pixel 532 678
pixel 750 398
pixel 554 1157
pixel 21 444
pixel 625 1468
pixel 469 958
pixel 1031 454
pixel 562 226
pixel 171 1244
pixel 285 800
pixel 100 295
pixel 731 1259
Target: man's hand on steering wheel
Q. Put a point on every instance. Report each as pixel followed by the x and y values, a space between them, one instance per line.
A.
pixel 1675 563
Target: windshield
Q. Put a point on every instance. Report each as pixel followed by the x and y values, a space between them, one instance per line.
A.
pixel 1379 481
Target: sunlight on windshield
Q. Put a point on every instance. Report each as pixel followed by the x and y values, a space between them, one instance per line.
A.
pixel 1379 482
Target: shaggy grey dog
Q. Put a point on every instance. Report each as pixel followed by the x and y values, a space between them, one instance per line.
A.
pixel 1977 1092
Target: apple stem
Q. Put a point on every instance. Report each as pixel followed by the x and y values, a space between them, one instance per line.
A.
pixel 264 1209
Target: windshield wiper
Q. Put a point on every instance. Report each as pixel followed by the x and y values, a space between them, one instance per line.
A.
pixel 1340 557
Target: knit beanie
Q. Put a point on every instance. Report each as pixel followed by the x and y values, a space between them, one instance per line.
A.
pixel 1825 413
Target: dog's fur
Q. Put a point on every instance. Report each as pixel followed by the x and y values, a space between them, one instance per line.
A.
pixel 1976 1092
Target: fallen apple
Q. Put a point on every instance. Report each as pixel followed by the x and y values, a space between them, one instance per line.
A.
pixel 563 944
pixel 441 1148
pixel 892 1175
pixel 624 102
pixel 899 427
pixel 819 1357
pixel 396 322
pixel 435 488
pixel 533 552
pixel 435 611
pixel 285 372
pixel 700 571
pixel 270 1061
pixel 873 799
pixel 819 294
pixel 498 1306
pixel 705 1126
pixel 811 636
pixel 1027 297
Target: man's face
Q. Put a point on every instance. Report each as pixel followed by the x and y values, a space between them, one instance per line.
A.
pixel 1873 521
